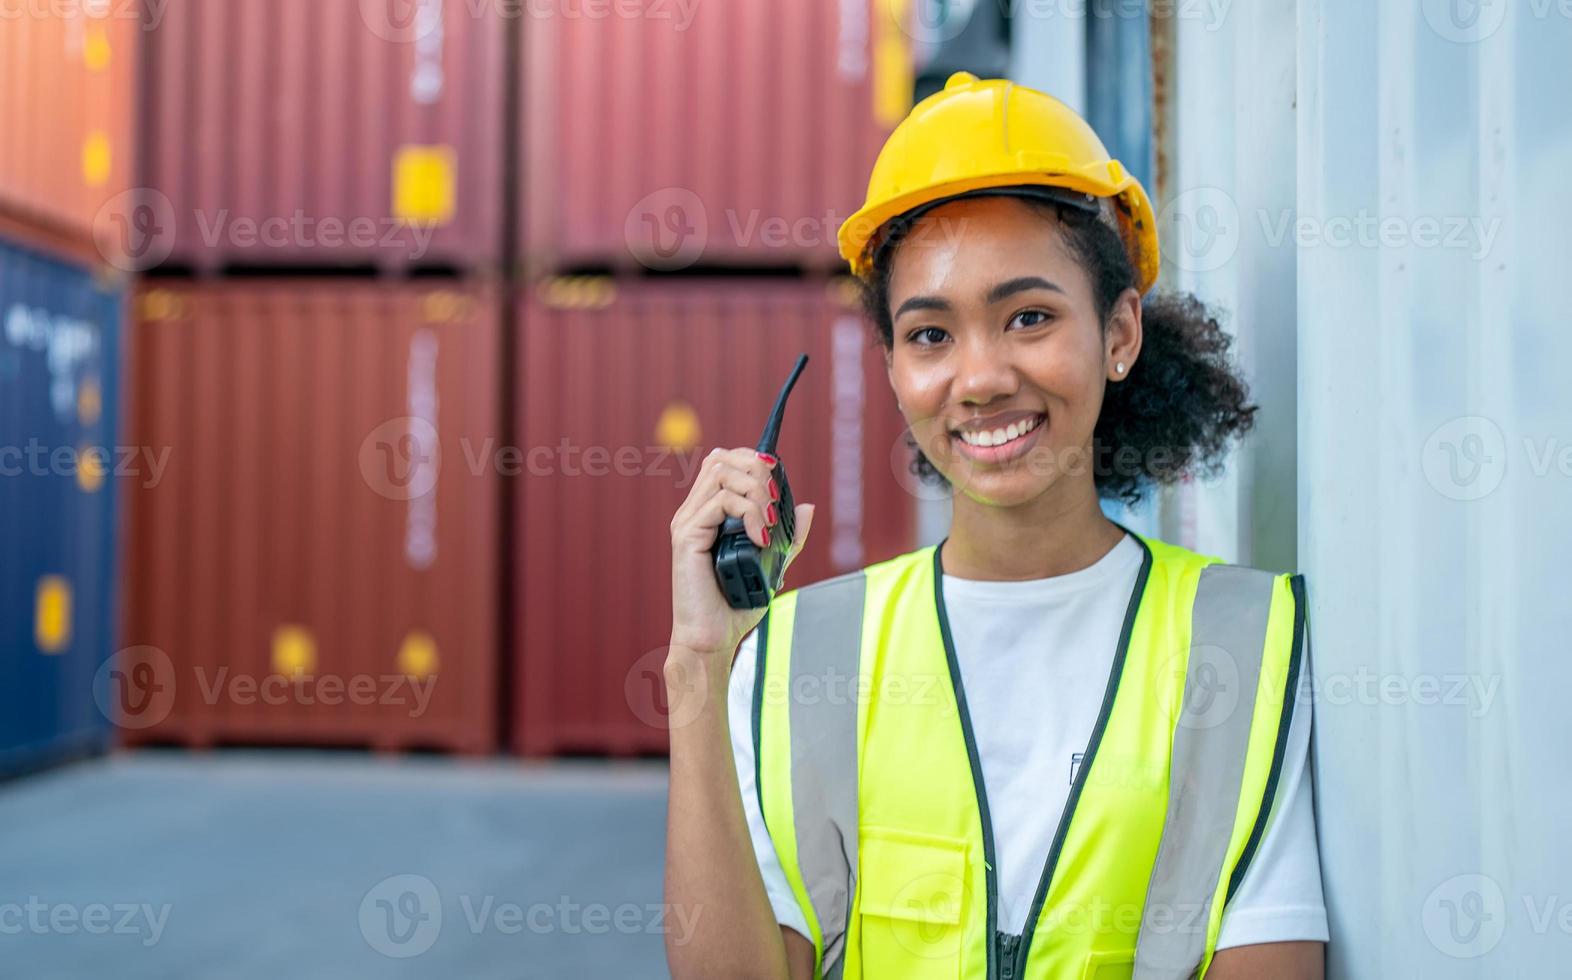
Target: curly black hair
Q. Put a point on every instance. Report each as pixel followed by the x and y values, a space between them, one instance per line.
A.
pixel 1183 402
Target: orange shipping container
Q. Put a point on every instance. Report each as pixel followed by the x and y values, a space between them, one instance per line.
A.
pixel 67 85
pixel 624 387
pixel 314 560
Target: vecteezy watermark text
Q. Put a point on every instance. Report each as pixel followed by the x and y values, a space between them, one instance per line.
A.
pixel 415 21
pixel 330 690
pixel 568 459
pixel 136 688
pixel 37 459
pixel 301 230
pixel 402 916
pixel 138 229
pixel 402 459
pixel 149 12
pixel 41 918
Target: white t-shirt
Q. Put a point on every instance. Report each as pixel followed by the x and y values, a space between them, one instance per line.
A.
pixel 1010 673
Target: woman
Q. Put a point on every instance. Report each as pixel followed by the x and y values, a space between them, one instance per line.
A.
pixel 1046 747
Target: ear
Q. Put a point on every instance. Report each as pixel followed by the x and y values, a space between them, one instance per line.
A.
pixel 1123 337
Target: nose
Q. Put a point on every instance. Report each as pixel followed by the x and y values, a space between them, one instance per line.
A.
pixel 983 370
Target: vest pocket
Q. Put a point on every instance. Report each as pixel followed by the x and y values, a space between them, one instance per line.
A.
pixel 912 899
pixel 1114 964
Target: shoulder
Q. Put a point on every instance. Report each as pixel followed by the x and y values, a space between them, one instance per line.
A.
pixel 853 581
pixel 1175 559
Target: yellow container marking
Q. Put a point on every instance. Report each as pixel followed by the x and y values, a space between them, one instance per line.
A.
pixel 96 50
pixel 425 183
pixel 893 73
pixel 52 614
pixel 89 469
pixel 97 158
pixel 294 651
pixel 417 655
pixel 89 401
pixel 678 427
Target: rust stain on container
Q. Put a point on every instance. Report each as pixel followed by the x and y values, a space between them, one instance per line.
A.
pixel 298 132
pixel 600 482
pixel 67 83
pixel 726 133
pixel 318 532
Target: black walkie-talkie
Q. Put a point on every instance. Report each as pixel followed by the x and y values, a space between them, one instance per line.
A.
pixel 749 575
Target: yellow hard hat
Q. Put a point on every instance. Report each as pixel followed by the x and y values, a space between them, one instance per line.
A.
pixel 980 136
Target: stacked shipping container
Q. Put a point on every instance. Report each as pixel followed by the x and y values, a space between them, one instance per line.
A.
pixel 734 134
pixel 66 79
pixel 302 133
pixel 734 140
pixel 645 377
pixel 276 547
pixel 317 563
pixel 59 336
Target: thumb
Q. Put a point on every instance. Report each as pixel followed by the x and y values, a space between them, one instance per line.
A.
pixel 804 523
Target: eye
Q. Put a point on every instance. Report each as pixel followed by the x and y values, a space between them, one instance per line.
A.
pixel 926 336
pixel 1031 318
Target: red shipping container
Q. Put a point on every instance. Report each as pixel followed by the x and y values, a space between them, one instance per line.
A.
pixel 625 386
pixel 735 133
pixel 314 523
pixel 67 79
pixel 298 132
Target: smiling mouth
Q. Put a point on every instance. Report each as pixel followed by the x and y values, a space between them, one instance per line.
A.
pixel 1002 436
pixel 1000 445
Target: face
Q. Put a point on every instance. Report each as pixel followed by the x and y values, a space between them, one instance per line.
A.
pixel 998 357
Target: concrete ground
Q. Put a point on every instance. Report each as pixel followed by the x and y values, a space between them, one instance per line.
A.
pixel 298 865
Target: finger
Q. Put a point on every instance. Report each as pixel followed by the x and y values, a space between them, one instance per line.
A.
pixel 738 469
pixel 703 488
pixel 746 482
pixel 762 469
pixel 750 476
pixel 705 485
pixel 747 459
pixel 729 503
pixel 720 460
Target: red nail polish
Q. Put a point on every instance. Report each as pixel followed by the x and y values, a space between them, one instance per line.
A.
pixel 769 515
pixel 766 537
pixel 775 492
pixel 767 458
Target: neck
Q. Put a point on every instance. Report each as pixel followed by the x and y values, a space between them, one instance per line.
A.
pixel 1054 534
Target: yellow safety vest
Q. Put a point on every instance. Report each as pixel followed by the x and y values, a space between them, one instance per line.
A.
pixel 870 786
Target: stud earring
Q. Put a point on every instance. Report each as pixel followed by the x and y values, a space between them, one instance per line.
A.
pixel 1119 367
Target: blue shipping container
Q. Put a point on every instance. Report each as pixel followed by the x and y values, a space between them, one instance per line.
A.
pixel 59 394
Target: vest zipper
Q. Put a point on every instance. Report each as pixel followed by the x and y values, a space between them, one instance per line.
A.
pixel 1007 953
pixel 1087 758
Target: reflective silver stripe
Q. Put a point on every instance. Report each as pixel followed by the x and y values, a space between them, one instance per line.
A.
pixel 825 649
pixel 1228 635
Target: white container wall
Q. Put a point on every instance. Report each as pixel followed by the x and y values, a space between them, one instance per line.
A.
pixel 1048 51
pixel 1225 202
pixel 1435 478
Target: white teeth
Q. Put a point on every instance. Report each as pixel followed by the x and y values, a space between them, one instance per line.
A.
pixel 998 437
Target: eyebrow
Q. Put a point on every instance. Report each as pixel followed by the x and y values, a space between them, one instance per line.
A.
pixel 995 294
